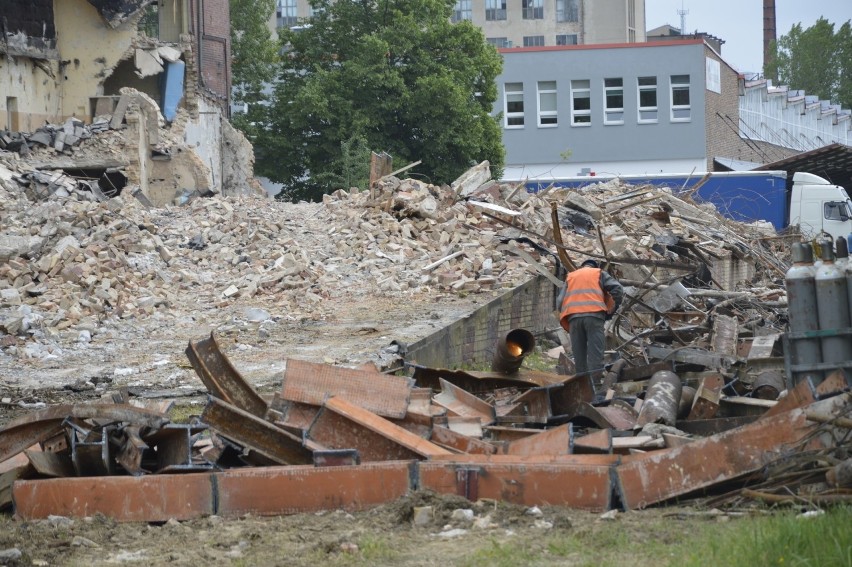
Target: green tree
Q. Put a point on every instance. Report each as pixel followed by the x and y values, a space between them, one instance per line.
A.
pixel 393 73
pixel 816 60
pixel 254 55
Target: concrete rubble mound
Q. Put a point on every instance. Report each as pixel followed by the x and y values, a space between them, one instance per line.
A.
pixel 705 312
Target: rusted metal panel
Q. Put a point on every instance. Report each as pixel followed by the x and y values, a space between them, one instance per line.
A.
pixel 252 432
pixel 532 406
pixel 312 383
pixel 706 427
pixel 448 438
pixel 44 424
pixel 599 441
pixel 638 373
pixel 294 490
pixel 806 393
pixel 586 487
pixel 555 441
pixel 8 478
pixel 336 458
pixel 54 465
pixel 502 433
pixel 706 403
pixel 124 498
pixel 470 426
pixel 660 475
pixel 566 397
pixel 462 403
pixel 174 448
pixel 574 459
pixel 741 405
pixel 344 425
pixel 479 382
pixel 131 451
pixel 221 378
pixel 615 416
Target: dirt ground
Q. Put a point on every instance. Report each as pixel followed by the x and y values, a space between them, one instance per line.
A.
pixel 498 534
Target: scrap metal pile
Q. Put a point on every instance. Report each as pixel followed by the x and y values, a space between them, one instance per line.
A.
pixel 645 442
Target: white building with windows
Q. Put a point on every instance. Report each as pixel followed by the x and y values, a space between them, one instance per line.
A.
pixel 616 109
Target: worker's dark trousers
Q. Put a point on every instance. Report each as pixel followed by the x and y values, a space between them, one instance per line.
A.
pixel 587 342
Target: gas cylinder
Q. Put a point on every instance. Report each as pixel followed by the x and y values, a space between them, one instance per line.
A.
pixel 843 251
pixel 833 309
pixel 802 310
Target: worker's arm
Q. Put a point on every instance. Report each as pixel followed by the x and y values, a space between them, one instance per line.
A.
pixel 613 287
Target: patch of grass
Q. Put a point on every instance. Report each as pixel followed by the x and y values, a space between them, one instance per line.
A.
pixel 785 539
pixel 375 549
pixel 505 554
pixel 539 361
pixel 183 413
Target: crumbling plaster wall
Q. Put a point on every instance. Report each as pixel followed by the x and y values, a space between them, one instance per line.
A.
pixel 89 49
pixel 33 90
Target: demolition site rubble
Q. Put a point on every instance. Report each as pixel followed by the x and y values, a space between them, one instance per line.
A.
pixel 294 327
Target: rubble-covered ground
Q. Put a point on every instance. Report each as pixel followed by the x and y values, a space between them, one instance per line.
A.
pixel 96 294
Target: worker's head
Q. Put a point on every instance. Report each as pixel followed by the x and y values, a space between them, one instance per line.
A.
pixel 591 263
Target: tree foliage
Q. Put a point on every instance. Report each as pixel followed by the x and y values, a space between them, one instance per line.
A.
pixel 817 60
pixel 389 75
pixel 254 53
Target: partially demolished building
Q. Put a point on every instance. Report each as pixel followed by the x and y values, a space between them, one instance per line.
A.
pixel 158 72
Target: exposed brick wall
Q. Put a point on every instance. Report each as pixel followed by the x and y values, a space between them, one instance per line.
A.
pixel 213 46
pixel 473 339
pixel 722 115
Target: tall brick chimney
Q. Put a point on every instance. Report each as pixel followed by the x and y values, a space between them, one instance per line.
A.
pixel 768 33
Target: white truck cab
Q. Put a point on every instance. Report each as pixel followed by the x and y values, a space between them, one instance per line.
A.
pixel 819 207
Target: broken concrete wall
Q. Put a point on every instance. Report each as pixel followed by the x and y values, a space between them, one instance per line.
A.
pixel 28 29
pixel 238 164
pixel 472 340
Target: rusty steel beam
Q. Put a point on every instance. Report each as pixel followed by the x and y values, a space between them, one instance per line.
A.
pixel 336 458
pixel 706 403
pixel 567 396
pixel 532 406
pixel 806 393
pixel 555 441
pixel 254 433
pixel 707 427
pixel 55 465
pixel 599 441
pixel 221 378
pixel 344 425
pixel 42 425
pixel 312 383
pixel 477 382
pixel 462 403
pixel 446 437
pixel 651 478
pixel 615 416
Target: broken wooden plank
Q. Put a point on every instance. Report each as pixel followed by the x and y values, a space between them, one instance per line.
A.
pixel 312 383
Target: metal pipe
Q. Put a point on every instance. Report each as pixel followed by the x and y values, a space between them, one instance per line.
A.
pixel 662 399
pixel 802 311
pixel 844 264
pixel 511 350
pixel 768 385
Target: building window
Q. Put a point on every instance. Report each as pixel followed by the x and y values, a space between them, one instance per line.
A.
pixel 461 11
pixel 513 101
pixel 499 42
pixel 647 99
pixel 547 103
pixel 566 39
pixel 533 41
pixel 287 13
pixel 681 110
pixel 532 9
pixel 567 11
pixel 581 103
pixel 613 101
pixel 495 10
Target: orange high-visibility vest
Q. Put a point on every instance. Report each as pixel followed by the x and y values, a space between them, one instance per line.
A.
pixel 583 294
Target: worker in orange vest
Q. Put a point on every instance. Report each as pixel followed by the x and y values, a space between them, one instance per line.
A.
pixel 589 297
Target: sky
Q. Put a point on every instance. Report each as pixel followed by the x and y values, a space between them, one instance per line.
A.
pixel 740 22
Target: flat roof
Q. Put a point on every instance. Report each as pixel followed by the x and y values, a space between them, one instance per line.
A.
pixel 589 46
